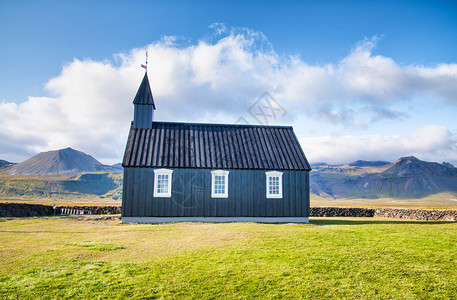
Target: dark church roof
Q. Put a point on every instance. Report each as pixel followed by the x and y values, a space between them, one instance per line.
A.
pixel 214 146
pixel 144 94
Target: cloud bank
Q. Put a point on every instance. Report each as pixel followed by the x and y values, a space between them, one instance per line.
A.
pixel 430 143
pixel 216 80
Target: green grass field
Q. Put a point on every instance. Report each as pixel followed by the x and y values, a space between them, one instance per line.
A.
pixel 89 257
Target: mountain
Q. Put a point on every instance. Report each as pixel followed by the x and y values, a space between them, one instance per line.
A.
pixel 365 163
pixel 117 168
pixel 408 177
pixel 5 164
pixel 68 162
pixel 411 177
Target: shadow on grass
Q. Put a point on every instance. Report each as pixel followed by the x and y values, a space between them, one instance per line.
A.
pixel 363 221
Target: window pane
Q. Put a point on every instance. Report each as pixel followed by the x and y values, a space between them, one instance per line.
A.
pixel 162 183
pixel 273 185
pixel 219 184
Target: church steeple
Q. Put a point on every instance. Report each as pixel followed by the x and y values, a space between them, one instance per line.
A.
pixel 144 105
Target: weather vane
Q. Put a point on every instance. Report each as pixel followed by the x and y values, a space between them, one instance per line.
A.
pixel 146 65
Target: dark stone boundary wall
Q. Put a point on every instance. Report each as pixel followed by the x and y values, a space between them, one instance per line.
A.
pixel 29 210
pixel 24 210
pixel 395 213
pixel 341 212
pixel 417 214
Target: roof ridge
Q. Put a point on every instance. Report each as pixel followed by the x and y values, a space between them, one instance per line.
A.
pixel 220 125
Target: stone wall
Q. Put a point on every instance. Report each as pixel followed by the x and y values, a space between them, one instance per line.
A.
pixel 28 210
pixel 417 214
pixel 341 212
pixel 24 210
pixel 394 213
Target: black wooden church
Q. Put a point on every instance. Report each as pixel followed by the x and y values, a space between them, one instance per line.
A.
pixel 211 172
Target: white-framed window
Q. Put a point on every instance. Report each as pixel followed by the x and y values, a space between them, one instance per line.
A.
pixel 162 182
pixel 219 184
pixel 274 184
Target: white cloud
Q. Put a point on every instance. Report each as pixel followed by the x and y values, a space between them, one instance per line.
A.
pixel 216 81
pixel 431 143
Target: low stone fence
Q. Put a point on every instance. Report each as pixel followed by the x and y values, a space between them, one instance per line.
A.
pixel 417 214
pixel 30 210
pixel 24 210
pixel 394 213
pixel 341 212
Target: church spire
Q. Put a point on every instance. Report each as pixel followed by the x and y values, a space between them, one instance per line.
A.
pixel 144 103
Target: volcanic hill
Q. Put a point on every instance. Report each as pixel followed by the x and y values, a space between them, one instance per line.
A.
pixel 408 177
pixel 67 162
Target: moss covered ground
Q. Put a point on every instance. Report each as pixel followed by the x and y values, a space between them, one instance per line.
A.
pixel 93 257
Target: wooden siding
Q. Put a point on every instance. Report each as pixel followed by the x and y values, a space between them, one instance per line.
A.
pixel 213 146
pixel 143 115
pixel 191 195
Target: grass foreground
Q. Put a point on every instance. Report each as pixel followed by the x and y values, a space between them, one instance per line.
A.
pixel 93 257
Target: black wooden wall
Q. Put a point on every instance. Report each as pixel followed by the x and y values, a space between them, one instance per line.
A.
pixel 191 195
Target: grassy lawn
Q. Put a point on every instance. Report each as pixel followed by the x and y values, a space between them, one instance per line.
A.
pixel 75 257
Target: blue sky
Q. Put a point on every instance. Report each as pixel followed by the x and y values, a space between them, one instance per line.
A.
pixel 359 79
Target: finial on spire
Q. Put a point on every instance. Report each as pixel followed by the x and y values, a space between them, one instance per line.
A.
pixel 146 65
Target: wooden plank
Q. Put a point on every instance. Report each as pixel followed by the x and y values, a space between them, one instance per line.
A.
pixel 207 148
pixel 148 195
pixel 236 158
pixel 156 145
pixel 212 150
pixel 144 156
pixel 232 194
pixel 166 147
pixel 150 148
pixel 141 192
pixel 239 192
pixel 133 161
pixel 307 195
pixel 274 149
pixel 297 190
pixel 243 149
pixel 280 203
pixel 288 153
pixel 286 202
pixel 288 189
pixel 181 147
pixel 207 201
pixel 222 157
pixel 126 161
pixel 201 148
pixel 140 152
pixel 126 194
pixel 266 155
pixel 253 149
pixel 192 148
pixel 186 147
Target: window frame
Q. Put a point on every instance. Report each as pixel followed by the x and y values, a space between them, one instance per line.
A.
pixel 215 173
pixel 158 172
pixel 269 175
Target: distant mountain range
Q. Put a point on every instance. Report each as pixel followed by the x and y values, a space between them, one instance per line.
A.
pixel 66 162
pixel 408 177
pixel 5 164
pixel 69 174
